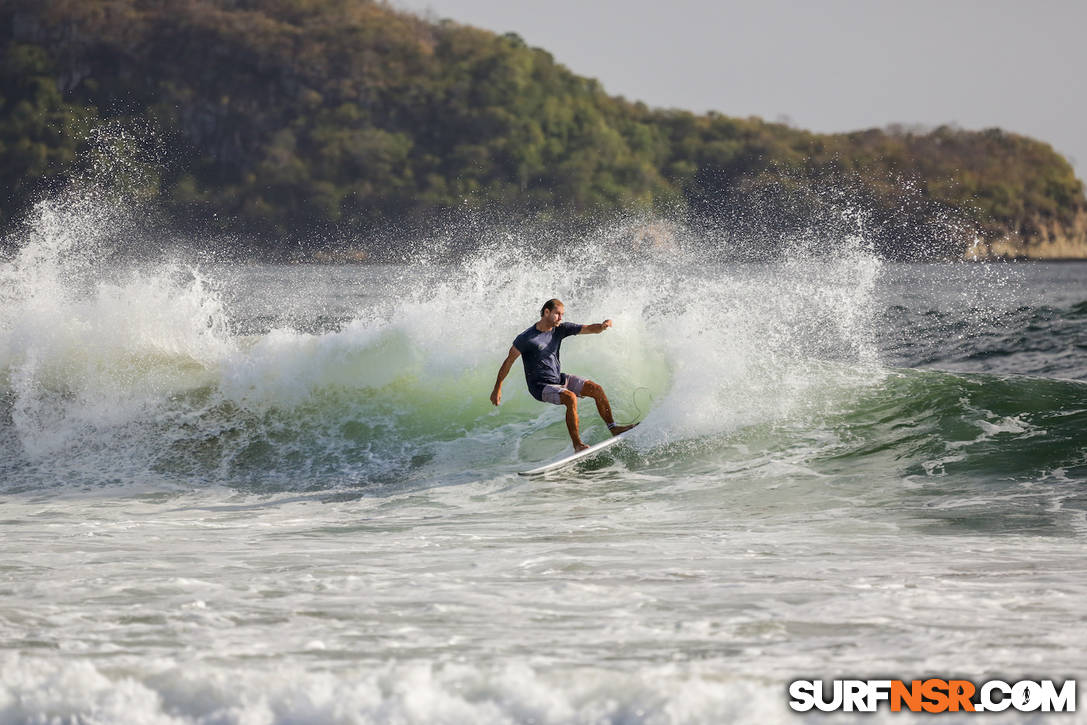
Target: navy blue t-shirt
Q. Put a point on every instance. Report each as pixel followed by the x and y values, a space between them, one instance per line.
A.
pixel 540 354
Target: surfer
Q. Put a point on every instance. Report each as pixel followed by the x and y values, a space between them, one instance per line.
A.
pixel 539 345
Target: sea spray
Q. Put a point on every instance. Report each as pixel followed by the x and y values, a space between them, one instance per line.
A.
pixel 148 375
pixel 156 370
pixel 86 345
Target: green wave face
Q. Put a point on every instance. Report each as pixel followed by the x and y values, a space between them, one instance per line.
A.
pixel 364 407
pixel 964 450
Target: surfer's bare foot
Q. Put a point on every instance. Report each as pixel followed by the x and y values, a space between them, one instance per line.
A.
pixel 622 429
pixel 579 446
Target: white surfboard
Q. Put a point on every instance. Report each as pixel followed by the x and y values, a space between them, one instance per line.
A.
pixel 562 462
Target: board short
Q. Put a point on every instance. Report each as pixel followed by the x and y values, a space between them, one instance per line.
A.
pixel 573 383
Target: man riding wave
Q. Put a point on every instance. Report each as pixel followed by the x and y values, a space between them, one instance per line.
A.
pixel 538 346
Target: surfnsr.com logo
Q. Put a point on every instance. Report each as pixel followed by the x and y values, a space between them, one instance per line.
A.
pixel 932 695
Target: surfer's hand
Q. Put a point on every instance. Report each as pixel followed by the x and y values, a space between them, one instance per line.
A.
pixel 496 396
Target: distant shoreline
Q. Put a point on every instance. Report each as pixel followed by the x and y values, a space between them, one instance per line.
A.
pixel 278 119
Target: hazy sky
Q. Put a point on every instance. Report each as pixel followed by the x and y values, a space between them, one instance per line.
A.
pixel 823 65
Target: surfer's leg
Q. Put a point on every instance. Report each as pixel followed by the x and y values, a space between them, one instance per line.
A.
pixel 570 401
pixel 603 407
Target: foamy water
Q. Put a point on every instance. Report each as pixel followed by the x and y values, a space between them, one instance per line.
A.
pixel 279 494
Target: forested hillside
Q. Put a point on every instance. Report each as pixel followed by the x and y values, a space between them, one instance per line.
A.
pixel 339 117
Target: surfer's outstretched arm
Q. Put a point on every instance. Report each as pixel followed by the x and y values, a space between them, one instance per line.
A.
pixel 595 328
pixel 496 394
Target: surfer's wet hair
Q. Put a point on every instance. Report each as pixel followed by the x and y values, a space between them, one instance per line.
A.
pixel 550 305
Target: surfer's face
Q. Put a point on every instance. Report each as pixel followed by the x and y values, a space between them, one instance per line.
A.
pixel 554 317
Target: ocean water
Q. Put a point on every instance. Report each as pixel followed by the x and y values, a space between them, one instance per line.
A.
pixel 263 494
